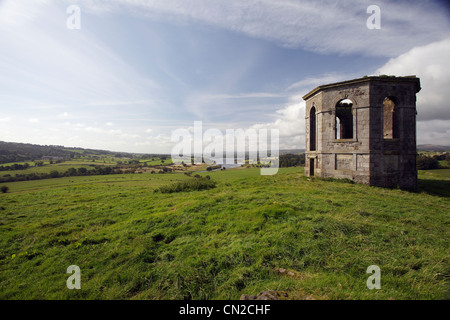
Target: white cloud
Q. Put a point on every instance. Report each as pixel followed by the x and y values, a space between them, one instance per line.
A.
pixel 65 115
pixel 33 120
pixel 323 26
pixel 112 132
pixel 289 119
pixel 433 132
pixel 312 82
pixel 49 66
pixel 44 62
pixel 432 65
pixel 219 106
pixel 290 122
pixel 14 14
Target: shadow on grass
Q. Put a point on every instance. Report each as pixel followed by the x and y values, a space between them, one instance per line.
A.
pixel 439 188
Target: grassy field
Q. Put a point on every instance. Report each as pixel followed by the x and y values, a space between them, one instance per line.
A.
pixel 156 162
pixel 61 168
pixel 133 243
pixel 79 163
pixel 434 174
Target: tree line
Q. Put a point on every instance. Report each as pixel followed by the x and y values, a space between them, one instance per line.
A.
pixel 18 152
pixel 71 172
pixel 15 166
pixel 292 160
pixel 425 162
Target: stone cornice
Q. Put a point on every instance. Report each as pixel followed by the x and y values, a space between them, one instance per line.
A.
pixel 364 79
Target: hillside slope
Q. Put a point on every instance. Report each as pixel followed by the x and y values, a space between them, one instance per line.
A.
pixel 133 243
pixel 14 152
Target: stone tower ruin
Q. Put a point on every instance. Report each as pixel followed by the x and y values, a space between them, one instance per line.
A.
pixel 364 130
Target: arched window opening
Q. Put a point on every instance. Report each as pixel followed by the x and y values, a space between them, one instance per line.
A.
pixel 390 118
pixel 312 129
pixel 344 119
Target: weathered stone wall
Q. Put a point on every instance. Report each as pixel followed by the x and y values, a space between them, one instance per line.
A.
pixel 381 149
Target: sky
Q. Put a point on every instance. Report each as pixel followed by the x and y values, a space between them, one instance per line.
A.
pixel 133 71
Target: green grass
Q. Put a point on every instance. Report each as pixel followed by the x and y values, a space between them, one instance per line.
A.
pixel 123 180
pixel 78 163
pixel 61 168
pixel 434 174
pixel 195 184
pixel 133 243
pixel 156 162
pixel 31 163
pixel 100 162
pixel 435 182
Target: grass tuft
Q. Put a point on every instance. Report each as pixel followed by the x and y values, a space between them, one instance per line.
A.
pixel 195 184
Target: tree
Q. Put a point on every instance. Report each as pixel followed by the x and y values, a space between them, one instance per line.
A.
pixel 4 189
pixel 39 163
pixel 426 163
pixel 54 174
pixel 71 172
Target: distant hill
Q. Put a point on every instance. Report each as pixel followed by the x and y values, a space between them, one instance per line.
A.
pixel 432 147
pixel 15 152
pixel 292 151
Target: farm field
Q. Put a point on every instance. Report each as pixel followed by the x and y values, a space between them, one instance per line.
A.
pixel 156 162
pixel 131 242
pixel 88 164
pixel 61 168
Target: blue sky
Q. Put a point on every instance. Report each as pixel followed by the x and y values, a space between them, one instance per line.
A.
pixel 137 70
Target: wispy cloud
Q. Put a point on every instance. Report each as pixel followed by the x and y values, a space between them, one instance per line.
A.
pixel 321 26
pixel 312 82
pixel 224 107
pixel 283 110
pixel 127 91
pixel 52 61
